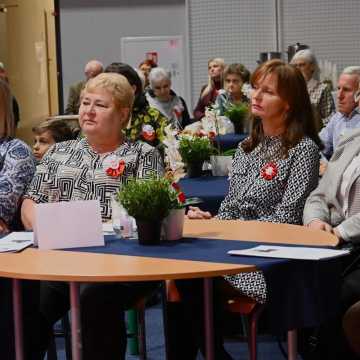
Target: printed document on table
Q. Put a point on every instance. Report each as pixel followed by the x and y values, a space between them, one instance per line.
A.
pixel 288 252
pixel 16 241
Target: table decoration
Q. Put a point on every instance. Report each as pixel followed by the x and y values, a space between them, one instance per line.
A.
pixel 238 114
pixel 149 202
pixel 194 150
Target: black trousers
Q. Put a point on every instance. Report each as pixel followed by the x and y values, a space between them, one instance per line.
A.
pixel 329 338
pixel 102 314
pixel 30 320
pixel 186 321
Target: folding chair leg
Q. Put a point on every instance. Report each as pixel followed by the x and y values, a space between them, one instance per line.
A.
pixel 67 336
pixel 252 336
pixel 165 320
pixel 141 333
pixel 51 351
pixel 292 344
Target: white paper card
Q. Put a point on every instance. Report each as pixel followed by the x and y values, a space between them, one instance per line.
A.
pixel 288 252
pixel 16 241
pixel 108 229
pixel 68 224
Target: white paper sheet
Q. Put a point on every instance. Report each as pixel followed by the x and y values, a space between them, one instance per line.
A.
pixel 288 252
pixel 68 224
pixel 16 241
pixel 107 228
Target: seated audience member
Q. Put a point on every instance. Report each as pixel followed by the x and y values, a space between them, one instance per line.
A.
pixel 147 123
pixel 161 97
pixel 347 116
pixel 92 69
pixel 320 93
pixel 48 133
pixel 273 172
pixel 17 167
pixel 105 109
pixel 334 206
pixel 15 105
pixel 145 67
pixel 235 76
pixel 209 92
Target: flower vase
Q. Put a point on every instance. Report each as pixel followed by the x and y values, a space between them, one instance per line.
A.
pixel 194 169
pixel 238 127
pixel 173 224
pixel 149 231
pixel 220 165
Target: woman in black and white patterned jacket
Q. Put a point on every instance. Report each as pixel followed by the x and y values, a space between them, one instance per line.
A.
pixel 93 167
pixel 273 171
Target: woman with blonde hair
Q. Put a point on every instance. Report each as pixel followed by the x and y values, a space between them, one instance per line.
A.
pixel 209 92
pixel 94 167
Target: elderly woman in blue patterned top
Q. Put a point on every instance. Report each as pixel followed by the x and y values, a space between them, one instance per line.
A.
pixel 93 167
pixel 273 172
pixel 17 167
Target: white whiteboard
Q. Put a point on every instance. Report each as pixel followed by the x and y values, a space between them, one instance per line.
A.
pixel 170 55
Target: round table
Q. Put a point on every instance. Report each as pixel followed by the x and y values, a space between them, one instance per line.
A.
pixel 76 267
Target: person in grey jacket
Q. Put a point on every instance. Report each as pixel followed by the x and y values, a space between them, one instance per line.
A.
pixel 334 206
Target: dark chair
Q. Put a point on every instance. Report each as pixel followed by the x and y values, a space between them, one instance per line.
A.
pixel 252 310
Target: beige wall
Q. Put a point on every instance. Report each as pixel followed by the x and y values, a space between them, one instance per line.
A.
pixel 3 37
pixel 31 72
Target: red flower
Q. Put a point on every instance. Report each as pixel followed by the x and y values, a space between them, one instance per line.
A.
pixel 181 197
pixel 117 171
pixel 148 136
pixel 177 112
pixel 176 186
pixel 212 134
pixel 269 171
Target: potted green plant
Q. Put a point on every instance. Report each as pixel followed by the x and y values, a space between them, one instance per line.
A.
pixel 194 150
pixel 238 114
pixel 148 201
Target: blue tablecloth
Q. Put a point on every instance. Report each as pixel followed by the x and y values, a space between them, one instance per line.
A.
pixel 300 293
pixel 230 141
pixel 211 189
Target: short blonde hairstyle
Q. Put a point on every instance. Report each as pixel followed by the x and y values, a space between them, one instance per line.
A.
pixel 6 104
pixel 117 85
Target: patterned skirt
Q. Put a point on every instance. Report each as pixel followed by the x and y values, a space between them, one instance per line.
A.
pixel 251 284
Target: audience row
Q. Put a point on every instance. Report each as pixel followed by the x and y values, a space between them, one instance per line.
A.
pixel 274 178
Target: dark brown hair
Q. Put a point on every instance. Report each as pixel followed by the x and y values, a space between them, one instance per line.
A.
pixel 59 130
pixel 299 121
pixel 148 62
pixel 237 69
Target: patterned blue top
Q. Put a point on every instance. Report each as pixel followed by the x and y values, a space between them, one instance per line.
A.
pixel 17 167
pixel 338 125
